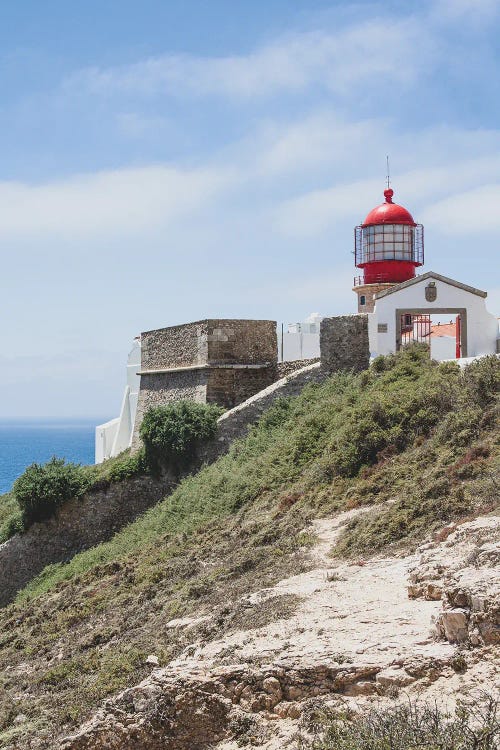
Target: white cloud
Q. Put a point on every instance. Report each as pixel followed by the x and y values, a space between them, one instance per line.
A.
pixel 116 202
pixel 136 125
pixel 319 139
pixel 475 10
pixel 373 50
pixel 471 212
pixel 310 214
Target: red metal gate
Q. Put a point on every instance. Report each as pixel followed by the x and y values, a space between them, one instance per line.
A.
pixel 415 328
pixel 458 337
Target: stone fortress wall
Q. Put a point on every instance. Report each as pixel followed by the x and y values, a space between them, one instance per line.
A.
pixel 344 343
pixel 209 361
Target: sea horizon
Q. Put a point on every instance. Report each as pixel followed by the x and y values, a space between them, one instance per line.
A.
pixel 27 440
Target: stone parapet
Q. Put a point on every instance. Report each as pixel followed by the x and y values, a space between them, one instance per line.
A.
pixel 211 341
pixel 217 361
pixel 344 343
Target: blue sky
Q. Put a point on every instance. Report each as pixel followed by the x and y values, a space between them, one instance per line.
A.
pixel 166 161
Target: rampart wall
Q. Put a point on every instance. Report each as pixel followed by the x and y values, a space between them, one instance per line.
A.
pixel 209 361
pixel 80 523
pixel 344 343
pixel 234 424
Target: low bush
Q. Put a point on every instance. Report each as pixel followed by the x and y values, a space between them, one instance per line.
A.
pixel 474 725
pixel 45 487
pixel 172 433
pixel 124 466
pixel 10 517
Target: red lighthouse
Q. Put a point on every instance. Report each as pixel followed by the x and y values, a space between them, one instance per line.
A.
pixel 388 246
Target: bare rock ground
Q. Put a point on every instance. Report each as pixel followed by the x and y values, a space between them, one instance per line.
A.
pixel 425 624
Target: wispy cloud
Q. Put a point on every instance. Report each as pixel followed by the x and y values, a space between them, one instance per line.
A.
pixel 461 212
pixel 117 202
pixel 476 11
pixel 471 212
pixel 374 50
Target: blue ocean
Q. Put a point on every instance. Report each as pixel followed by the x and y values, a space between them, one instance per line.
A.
pixel 23 442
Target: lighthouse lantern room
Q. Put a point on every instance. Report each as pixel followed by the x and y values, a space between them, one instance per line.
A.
pixel 388 246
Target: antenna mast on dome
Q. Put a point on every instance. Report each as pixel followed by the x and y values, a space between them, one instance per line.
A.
pixel 388 172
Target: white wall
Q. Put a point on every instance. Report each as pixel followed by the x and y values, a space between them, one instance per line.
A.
pixel 104 437
pixel 298 346
pixel 443 347
pixel 113 437
pixel 482 327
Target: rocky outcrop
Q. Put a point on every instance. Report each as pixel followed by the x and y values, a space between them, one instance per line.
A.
pixel 356 637
pixel 158 713
pixel 462 572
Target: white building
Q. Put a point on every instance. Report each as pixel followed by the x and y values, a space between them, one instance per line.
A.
pixel 428 295
pixel 300 340
pixel 113 437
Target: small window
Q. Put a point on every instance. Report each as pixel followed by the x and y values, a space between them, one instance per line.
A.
pixel 362 300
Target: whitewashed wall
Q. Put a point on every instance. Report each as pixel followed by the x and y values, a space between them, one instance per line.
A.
pixel 113 437
pixel 482 326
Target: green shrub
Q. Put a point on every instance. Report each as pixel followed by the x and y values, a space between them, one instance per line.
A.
pixel 172 433
pixel 408 517
pixel 473 726
pixel 124 466
pixel 460 428
pixel 482 380
pixel 44 487
pixel 10 517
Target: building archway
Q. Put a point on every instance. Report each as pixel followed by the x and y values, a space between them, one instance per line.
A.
pixel 404 316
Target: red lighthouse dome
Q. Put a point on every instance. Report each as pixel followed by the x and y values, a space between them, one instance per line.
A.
pixel 389 244
pixel 389 213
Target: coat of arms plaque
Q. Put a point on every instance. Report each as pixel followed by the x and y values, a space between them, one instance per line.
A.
pixel 431 292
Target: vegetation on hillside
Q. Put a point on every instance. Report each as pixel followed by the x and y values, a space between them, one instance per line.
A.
pixel 171 435
pixel 43 488
pixel 474 725
pixel 414 441
pixel 10 516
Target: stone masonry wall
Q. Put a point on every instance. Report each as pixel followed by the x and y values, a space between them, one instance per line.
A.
pixel 242 342
pixel 80 524
pixel 234 424
pixel 213 344
pixel 176 346
pixel 286 368
pixel 211 341
pixel 228 387
pixel 344 343
pixel 163 388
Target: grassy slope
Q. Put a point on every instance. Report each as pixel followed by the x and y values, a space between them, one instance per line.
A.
pixel 419 440
pixel 9 514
